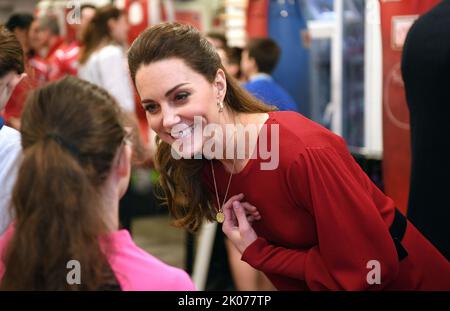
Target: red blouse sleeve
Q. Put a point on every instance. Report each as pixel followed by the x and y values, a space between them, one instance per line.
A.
pixel 350 228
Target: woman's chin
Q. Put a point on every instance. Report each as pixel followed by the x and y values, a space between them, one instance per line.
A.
pixel 186 150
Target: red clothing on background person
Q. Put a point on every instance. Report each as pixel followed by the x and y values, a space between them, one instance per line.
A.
pixel 70 60
pixel 38 69
pixel 61 60
pixel 64 61
pixel 323 222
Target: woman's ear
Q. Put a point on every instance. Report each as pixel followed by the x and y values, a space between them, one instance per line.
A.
pixel 220 83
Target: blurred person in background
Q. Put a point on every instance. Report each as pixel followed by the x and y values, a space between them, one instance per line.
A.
pixel 234 61
pixel 426 76
pixel 36 61
pixel 12 70
pixel 231 60
pixel 61 59
pixel 259 59
pixel 102 58
pixel 217 39
pixel 102 61
pixel 19 24
pixel 87 12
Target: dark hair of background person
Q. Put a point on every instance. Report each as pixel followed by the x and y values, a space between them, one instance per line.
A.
pixel 234 55
pixel 184 193
pixel 218 36
pixel 265 52
pixel 19 20
pixel 68 151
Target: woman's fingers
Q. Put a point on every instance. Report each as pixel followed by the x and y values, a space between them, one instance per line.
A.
pixel 248 207
pixel 241 216
pixel 250 219
pixel 230 201
pixel 228 222
pixel 251 210
pixel 237 227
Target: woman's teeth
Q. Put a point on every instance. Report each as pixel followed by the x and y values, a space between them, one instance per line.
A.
pixel 184 133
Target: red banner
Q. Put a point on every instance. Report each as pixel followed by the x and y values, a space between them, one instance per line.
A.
pixel 257 18
pixel 397 16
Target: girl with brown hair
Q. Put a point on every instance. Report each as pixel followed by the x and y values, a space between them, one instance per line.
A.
pixel 75 168
pixel 322 223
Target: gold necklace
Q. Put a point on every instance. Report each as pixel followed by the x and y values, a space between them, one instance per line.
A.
pixel 220 217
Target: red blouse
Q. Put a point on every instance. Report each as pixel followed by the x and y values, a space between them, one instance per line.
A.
pixel 323 220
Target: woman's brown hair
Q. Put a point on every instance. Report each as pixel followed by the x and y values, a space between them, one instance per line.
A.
pixel 71 132
pixel 11 53
pixel 185 194
pixel 98 31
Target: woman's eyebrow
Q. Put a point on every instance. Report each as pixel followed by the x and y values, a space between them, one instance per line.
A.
pixel 144 101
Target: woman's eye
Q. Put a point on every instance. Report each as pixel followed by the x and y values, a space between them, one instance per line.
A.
pixel 151 108
pixel 181 96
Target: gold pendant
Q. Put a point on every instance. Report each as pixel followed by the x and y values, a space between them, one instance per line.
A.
pixel 220 217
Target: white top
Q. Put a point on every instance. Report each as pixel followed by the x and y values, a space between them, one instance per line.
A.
pixel 108 68
pixel 10 150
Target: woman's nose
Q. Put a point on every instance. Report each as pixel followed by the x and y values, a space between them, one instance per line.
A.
pixel 170 118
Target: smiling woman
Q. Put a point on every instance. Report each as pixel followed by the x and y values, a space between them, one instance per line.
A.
pixel 315 221
pixel 178 75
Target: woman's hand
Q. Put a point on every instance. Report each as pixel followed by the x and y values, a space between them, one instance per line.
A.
pixel 251 211
pixel 237 226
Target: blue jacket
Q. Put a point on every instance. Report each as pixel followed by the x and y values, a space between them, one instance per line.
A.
pixel 263 87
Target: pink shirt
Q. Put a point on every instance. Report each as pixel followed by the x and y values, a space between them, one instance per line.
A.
pixel 135 269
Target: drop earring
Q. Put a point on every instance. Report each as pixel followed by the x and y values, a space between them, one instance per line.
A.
pixel 220 105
